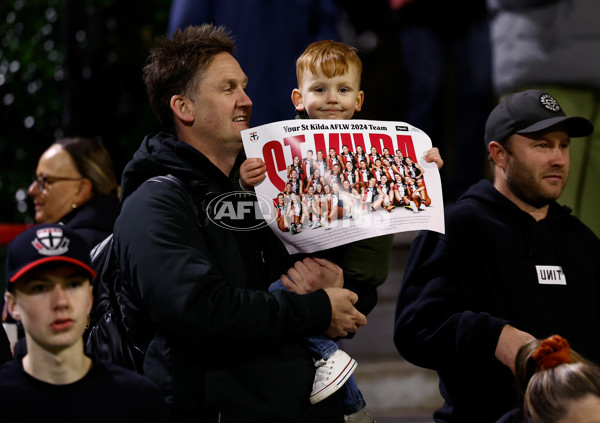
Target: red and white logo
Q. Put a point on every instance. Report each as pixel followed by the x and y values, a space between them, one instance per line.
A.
pixel 51 242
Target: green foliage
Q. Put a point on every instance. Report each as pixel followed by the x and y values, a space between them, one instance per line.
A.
pixel 71 67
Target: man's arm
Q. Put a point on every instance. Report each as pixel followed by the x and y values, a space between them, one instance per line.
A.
pixel 511 339
pixel 173 266
pixel 311 274
pixel 434 326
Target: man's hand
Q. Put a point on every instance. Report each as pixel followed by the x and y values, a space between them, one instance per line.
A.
pixel 252 172
pixel 511 339
pixel 345 318
pixel 311 274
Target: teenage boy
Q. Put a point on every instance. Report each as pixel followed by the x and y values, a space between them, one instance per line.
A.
pixel 48 275
pixel 329 75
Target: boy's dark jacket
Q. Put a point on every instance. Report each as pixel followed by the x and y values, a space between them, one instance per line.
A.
pixel 461 288
pixel 216 341
pixel 365 262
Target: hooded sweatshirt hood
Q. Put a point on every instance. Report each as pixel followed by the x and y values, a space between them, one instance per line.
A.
pixel 485 193
pixel 163 154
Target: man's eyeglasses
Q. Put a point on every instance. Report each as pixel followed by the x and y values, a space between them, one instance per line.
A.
pixel 43 181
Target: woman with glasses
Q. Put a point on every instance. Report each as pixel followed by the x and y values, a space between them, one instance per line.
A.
pixel 75 184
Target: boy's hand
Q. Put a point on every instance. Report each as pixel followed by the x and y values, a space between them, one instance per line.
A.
pixel 252 172
pixel 433 155
pixel 311 274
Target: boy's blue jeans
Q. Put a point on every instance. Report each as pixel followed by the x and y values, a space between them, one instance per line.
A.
pixel 323 347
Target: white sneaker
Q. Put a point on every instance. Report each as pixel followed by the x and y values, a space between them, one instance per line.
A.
pixel 414 207
pixel 360 416
pixel 422 206
pixel 331 375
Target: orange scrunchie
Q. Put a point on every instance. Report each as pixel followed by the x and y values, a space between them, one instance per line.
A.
pixel 552 352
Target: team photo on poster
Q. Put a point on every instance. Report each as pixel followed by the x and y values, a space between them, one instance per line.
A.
pixel 334 182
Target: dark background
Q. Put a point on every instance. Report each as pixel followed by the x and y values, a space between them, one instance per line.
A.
pixel 74 67
pixel 70 67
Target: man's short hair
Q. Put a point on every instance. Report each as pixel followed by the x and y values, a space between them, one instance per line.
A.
pixel 329 57
pixel 175 62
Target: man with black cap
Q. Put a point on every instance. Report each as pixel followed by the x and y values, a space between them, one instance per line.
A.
pixel 513 265
pixel 48 275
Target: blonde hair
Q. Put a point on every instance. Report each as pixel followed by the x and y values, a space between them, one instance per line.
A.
pixel 526 366
pixel 329 57
pixel 550 392
pixel 547 393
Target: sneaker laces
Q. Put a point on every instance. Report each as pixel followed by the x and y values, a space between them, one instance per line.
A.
pixel 323 369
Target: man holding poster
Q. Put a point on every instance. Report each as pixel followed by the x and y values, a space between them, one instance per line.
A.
pixel 355 235
pixel 219 345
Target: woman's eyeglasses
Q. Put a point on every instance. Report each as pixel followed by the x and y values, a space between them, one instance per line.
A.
pixel 43 181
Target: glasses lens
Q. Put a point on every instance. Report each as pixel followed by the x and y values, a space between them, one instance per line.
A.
pixel 41 182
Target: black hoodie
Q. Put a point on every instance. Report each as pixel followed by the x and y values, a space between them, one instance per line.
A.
pixel 218 344
pixel 461 288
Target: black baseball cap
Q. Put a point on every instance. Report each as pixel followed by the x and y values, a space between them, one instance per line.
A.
pixel 528 112
pixel 46 243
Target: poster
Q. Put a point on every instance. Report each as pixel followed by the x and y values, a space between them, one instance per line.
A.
pixel 331 182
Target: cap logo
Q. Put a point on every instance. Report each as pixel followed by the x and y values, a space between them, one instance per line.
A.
pixel 51 242
pixel 549 103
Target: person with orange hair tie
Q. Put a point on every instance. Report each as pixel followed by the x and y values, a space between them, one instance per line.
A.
pixel 513 265
pixel 555 384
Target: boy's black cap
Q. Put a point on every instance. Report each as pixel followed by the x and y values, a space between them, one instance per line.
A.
pixel 531 111
pixel 46 243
